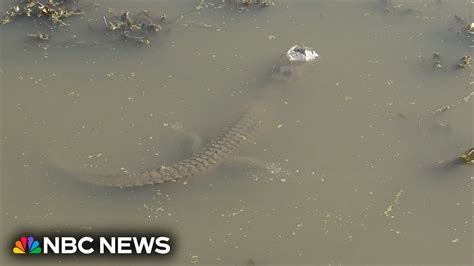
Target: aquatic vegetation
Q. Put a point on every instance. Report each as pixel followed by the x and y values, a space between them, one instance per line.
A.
pixel 463 29
pixel 466 61
pixel 464 100
pixel 138 27
pixel 39 36
pixel 468 156
pixel 263 3
pixel 470 28
pixel 53 10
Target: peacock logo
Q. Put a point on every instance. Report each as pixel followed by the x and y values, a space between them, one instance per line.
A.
pixel 27 245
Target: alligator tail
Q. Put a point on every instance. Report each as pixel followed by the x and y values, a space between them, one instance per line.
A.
pixel 215 152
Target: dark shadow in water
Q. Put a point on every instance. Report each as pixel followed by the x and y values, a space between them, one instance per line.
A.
pixel 445 170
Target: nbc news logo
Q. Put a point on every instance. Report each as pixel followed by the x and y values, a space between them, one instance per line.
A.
pixel 27 245
pixel 87 245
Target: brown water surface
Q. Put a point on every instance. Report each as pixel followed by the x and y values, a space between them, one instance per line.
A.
pixel 352 157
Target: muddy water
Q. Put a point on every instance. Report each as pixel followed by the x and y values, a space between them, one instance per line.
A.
pixel 351 158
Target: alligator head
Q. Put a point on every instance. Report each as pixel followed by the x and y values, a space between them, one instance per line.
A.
pixel 291 66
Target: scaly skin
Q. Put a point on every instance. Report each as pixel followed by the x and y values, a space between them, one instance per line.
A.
pixel 217 150
pixel 214 153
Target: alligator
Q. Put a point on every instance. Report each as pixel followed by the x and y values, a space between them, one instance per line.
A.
pixel 211 155
pixel 219 149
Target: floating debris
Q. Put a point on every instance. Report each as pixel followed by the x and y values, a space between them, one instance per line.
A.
pixel 301 54
pixel 466 61
pixel 137 28
pixel 39 36
pixel 237 4
pixel 262 3
pixel 194 259
pixel 388 211
pixel 442 109
pixel 400 9
pixel 465 99
pixel 468 156
pixel 53 10
pixel 470 28
pixel 437 60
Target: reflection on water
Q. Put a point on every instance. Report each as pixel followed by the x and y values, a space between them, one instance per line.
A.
pixel 351 172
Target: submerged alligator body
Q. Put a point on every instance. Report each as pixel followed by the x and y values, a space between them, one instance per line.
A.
pixel 217 150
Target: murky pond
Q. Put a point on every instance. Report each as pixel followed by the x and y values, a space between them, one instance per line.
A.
pixel 346 168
